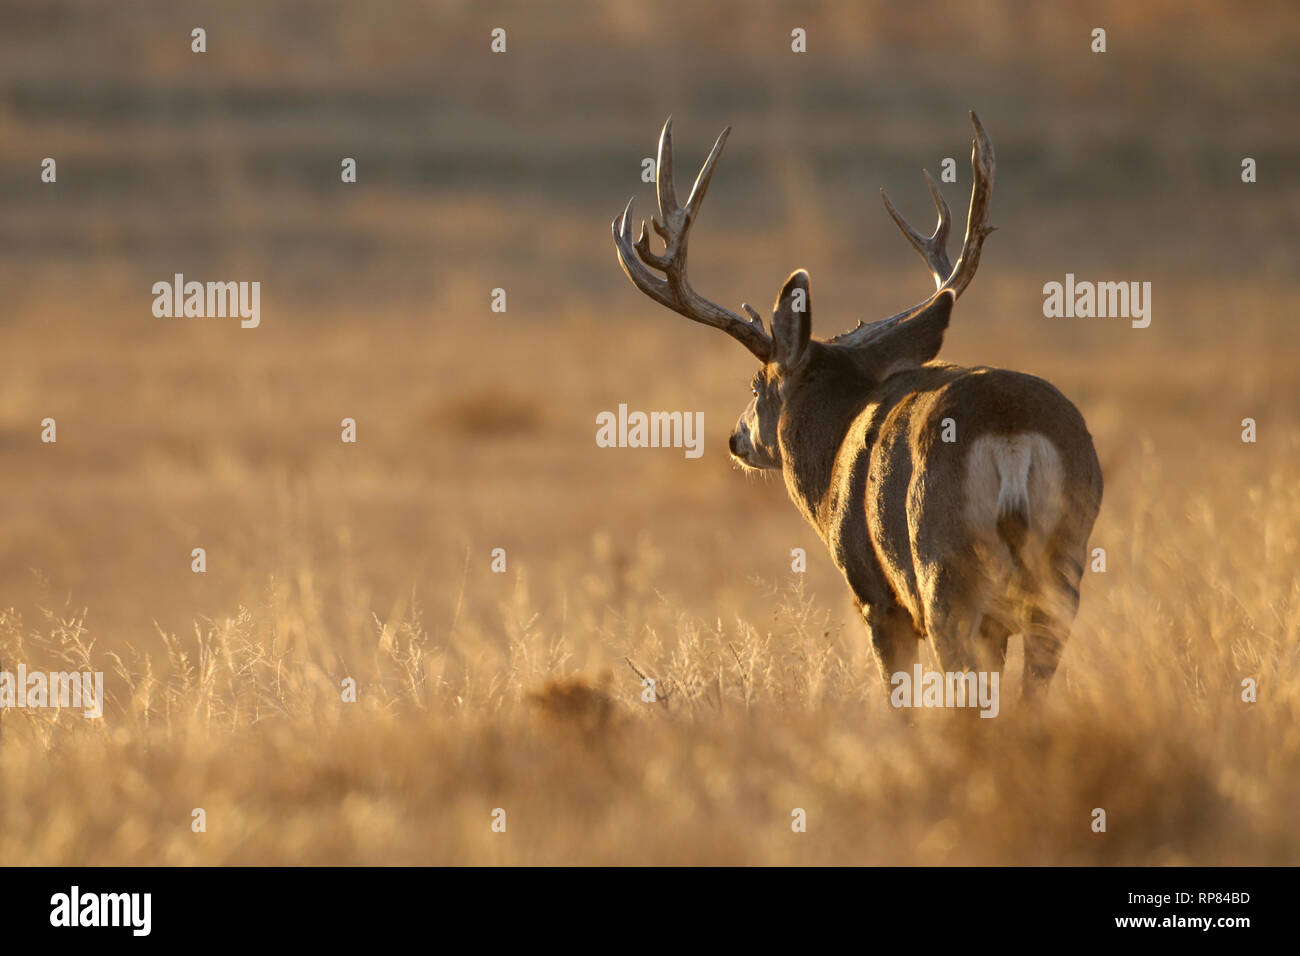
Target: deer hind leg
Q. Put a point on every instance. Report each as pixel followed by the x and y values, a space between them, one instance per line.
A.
pixel 992 647
pixel 894 640
pixel 954 605
pixel 1051 613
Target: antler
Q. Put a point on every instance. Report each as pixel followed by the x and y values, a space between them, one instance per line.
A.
pixel 674 226
pixel 934 248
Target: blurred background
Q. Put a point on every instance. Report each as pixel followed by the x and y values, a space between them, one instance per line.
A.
pixel 479 170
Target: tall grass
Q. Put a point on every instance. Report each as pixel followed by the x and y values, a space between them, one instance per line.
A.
pixel 536 704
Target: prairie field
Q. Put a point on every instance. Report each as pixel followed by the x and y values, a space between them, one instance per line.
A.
pixel 370 565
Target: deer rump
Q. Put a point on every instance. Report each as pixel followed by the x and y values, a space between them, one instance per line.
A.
pixel 998 507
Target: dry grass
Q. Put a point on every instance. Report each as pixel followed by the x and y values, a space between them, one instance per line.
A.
pixel 517 693
pixel 521 690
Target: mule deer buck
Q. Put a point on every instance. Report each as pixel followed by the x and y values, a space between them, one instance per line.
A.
pixel 957 502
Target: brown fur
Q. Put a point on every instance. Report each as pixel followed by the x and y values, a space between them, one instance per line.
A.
pixel 935 540
pixel 856 432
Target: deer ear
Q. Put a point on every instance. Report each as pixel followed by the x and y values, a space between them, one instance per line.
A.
pixel 915 340
pixel 792 321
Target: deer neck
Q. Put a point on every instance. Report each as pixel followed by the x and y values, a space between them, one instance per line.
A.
pixel 813 426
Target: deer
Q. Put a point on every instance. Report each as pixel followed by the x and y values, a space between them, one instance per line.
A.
pixel 956 502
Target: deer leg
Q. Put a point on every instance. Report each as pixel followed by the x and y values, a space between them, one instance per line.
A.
pixel 1050 617
pixel 894 640
pixel 954 609
pixel 992 647
pixel 1044 641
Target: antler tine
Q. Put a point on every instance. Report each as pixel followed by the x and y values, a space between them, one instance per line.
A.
pixel 662 263
pixel 664 188
pixel 652 285
pixel 673 226
pixel 984 164
pixel 934 247
pixel 701 184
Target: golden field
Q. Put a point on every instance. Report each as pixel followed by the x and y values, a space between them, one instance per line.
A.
pixel 479 690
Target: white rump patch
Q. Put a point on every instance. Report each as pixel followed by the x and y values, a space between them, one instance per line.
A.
pixel 1009 473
